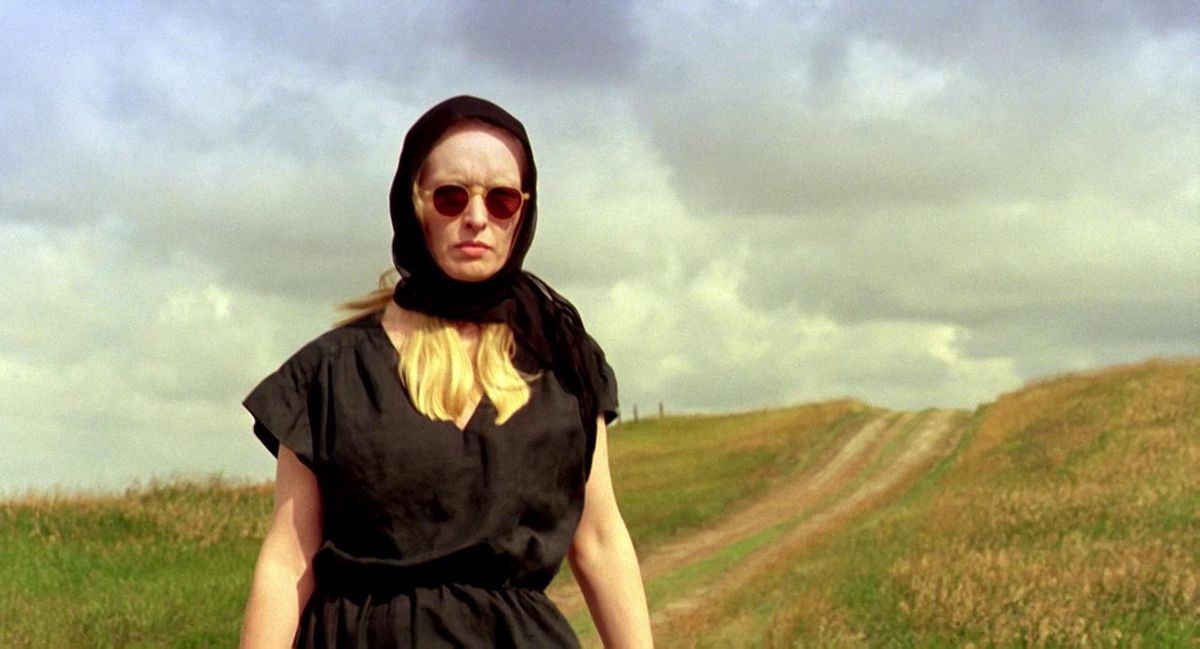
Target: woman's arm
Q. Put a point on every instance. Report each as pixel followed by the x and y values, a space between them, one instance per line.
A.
pixel 604 562
pixel 283 579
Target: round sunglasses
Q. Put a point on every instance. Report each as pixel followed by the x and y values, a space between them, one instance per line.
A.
pixel 501 202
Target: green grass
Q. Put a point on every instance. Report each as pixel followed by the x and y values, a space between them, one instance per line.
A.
pixel 168 566
pixel 675 474
pixel 693 573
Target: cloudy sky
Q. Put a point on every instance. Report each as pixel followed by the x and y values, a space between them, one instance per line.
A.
pixel 752 204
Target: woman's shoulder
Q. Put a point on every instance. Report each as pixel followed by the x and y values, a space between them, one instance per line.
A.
pixel 312 366
pixel 350 334
pixel 336 342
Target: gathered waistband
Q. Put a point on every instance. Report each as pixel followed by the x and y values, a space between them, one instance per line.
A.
pixel 337 572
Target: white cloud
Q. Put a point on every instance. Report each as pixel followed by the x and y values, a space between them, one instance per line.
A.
pixel 693 342
pixel 118 366
pixel 883 82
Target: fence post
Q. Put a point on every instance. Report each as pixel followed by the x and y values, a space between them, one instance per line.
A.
pixel 660 410
pixel 635 417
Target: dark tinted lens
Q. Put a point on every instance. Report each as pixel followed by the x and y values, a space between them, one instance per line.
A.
pixel 450 200
pixel 503 202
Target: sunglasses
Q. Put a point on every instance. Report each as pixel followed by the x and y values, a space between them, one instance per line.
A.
pixel 501 202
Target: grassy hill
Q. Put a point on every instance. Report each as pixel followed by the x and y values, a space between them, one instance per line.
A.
pixel 1066 513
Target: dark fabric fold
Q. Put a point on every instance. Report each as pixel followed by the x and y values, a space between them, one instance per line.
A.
pixel 279 405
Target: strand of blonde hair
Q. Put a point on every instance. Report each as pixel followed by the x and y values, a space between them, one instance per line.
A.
pixel 438 373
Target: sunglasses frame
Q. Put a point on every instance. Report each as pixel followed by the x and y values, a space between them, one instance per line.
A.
pixel 472 190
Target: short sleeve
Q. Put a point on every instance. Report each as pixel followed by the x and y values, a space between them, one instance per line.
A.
pixel 282 406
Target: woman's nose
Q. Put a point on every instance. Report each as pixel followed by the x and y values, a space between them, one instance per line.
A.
pixel 476 213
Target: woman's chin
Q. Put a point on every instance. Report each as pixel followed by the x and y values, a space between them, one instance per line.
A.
pixel 470 272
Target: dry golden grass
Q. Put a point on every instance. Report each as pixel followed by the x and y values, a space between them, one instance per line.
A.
pixel 1073 520
pixel 1082 592
pixel 1047 422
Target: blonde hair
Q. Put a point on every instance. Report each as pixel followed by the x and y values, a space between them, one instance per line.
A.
pixel 435 369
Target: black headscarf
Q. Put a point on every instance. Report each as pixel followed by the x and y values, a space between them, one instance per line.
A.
pixel 545 325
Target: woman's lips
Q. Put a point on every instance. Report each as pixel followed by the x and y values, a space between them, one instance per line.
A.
pixel 474 249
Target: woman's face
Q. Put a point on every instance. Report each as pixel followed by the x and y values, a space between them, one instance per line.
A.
pixel 472 245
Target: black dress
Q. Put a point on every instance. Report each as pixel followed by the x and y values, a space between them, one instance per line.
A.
pixel 433 537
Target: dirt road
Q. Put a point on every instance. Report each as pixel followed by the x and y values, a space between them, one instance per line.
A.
pixel 872 466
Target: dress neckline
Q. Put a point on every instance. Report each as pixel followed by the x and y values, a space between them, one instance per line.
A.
pixel 389 351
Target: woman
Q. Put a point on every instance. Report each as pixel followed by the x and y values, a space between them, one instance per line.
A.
pixel 439 454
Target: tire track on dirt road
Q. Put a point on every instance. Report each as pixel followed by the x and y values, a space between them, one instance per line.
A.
pixel 780 504
pixel 935 436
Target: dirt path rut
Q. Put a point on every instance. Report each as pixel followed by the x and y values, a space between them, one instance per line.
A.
pixel 824 498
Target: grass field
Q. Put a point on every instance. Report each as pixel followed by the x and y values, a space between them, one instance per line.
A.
pixel 163 565
pixel 1066 513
